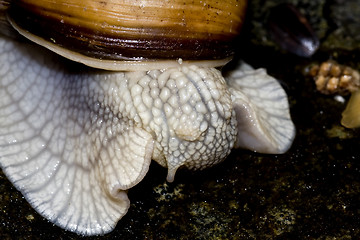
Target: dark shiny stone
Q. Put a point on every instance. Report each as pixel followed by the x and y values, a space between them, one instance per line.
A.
pixel 291 31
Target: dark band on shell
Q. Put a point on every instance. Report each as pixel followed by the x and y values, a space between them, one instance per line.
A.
pixel 131 31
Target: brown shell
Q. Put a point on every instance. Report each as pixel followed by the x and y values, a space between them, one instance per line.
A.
pixel 135 29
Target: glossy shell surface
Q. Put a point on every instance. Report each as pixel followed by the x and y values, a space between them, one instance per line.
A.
pixel 135 30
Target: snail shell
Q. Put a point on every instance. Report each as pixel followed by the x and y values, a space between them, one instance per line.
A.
pixel 131 31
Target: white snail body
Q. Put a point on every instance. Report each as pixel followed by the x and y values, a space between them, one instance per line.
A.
pixel 75 139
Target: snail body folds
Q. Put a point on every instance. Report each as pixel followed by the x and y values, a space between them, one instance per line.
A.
pixel 146 30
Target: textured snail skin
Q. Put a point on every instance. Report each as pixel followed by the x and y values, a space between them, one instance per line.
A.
pixel 74 139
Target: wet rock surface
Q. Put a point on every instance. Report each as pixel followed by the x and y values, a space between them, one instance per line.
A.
pixel 311 192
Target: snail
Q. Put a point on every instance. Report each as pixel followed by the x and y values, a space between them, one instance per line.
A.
pixel 334 78
pixel 74 139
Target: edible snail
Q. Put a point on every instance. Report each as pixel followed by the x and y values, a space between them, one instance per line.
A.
pixel 74 139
